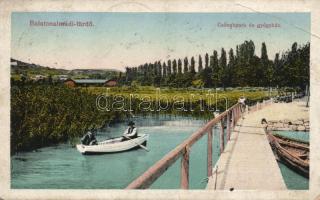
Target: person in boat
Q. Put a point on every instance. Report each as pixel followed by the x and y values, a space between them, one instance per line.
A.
pixel 89 139
pixel 131 132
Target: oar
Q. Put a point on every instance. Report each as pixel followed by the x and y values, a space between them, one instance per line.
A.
pixel 140 145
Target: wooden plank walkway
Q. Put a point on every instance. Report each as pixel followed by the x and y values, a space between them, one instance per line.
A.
pixel 247 162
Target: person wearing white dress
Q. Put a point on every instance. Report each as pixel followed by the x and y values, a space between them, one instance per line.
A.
pixel 242 101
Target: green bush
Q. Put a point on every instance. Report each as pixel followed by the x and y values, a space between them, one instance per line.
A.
pixel 45 114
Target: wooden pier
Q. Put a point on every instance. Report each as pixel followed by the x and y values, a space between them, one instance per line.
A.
pixel 246 161
pixel 232 115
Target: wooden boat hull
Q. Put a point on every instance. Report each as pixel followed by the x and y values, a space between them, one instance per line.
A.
pixel 113 145
pixel 293 153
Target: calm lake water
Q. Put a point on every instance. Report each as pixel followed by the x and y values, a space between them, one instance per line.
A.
pixel 62 166
pixel 300 135
pixel 293 180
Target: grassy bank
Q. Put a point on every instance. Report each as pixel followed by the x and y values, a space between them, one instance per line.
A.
pixel 188 95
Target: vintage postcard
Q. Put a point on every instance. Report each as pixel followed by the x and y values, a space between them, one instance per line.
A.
pixel 159 100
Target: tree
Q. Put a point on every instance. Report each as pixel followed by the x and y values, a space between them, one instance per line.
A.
pixel 264 54
pixel 296 66
pixel 159 69
pixel 174 67
pixel 157 74
pixel 215 68
pixel 206 77
pixel 290 69
pixel 222 72
pixel 304 68
pixel 148 74
pixel 206 60
pixel 164 67
pixel 185 65
pixel 192 65
pixel 200 64
pixel 230 68
pixel 264 72
pixel 169 68
pixel 155 68
pixel 128 74
pixel 245 65
pixel 179 66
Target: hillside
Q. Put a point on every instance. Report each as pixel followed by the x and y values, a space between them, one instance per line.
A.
pixel 32 70
pixel 19 67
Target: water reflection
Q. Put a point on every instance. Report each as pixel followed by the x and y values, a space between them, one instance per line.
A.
pixel 63 166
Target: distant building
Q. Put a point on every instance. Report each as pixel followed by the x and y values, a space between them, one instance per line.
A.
pixel 14 63
pixel 90 82
pixel 70 83
pixel 111 83
pixel 38 77
pixel 61 77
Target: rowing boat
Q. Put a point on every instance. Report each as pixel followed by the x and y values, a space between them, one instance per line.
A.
pixel 113 145
pixel 293 153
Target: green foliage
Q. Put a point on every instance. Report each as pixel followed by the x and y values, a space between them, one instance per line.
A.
pixel 243 69
pixel 45 114
pixel 200 67
pixel 185 65
pixel 215 69
pixel 198 83
pixel 174 66
pixel 293 67
pixel 252 94
pixel 222 71
pixel 192 65
pixel 179 67
pixel 206 77
pixel 206 60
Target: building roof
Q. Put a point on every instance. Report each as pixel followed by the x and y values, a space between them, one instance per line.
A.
pixel 89 81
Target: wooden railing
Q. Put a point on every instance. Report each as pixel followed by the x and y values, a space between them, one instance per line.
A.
pixel 258 105
pixel 232 115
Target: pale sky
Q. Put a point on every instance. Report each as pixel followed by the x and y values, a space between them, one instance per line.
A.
pixel 129 39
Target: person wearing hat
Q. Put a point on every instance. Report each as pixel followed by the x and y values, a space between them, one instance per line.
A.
pixel 89 139
pixel 131 132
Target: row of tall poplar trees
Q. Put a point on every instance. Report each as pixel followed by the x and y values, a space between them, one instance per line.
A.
pixel 241 68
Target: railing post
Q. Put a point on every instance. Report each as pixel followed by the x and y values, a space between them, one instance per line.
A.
pixel 239 111
pixel 184 181
pixel 183 151
pixel 228 126
pixel 233 118
pixel 209 153
pixel 237 114
pixel 221 136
